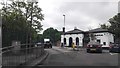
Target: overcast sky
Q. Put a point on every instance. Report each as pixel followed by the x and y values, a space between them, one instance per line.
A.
pixel 83 14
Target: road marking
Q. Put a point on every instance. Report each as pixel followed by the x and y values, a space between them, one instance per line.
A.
pixel 112 53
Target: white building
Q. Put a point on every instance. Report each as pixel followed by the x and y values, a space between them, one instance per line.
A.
pixel 74 36
pixel 103 36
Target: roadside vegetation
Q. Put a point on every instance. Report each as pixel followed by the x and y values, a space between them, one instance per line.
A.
pixel 114 26
pixel 21 21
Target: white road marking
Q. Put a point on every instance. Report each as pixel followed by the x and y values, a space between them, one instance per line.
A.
pixel 112 53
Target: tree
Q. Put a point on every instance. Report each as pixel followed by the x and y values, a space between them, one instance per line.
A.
pixel 104 26
pixel 53 34
pixel 14 27
pixel 21 20
pixel 40 38
pixel 86 39
pixel 115 26
pixel 92 37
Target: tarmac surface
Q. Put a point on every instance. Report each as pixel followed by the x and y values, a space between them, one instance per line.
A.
pixel 67 57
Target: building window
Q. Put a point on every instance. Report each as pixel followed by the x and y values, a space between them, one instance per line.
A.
pixel 99 35
pixel 98 40
pixel 110 42
pixel 104 43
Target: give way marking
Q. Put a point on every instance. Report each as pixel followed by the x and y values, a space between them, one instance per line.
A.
pixel 112 53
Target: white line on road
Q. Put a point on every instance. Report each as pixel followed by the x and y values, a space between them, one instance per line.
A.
pixel 112 53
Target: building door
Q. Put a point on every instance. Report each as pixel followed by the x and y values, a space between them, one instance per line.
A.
pixel 70 42
pixel 64 41
pixel 77 41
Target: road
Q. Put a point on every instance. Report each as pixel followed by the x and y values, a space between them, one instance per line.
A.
pixel 67 57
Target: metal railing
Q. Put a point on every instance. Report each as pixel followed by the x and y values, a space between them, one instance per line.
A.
pixel 21 54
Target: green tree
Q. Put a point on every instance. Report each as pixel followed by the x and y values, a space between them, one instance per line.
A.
pixel 40 38
pixel 92 37
pixel 21 20
pixel 104 26
pixel 115 26
pixel 53 34
pixel 86 39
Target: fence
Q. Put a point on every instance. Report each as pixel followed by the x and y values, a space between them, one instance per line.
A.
pixel 17 55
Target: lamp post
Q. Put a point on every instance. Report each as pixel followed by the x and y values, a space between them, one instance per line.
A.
pixel 64 20
pixel 64 31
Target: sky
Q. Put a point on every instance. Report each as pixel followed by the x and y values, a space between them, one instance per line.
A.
pixel 83 14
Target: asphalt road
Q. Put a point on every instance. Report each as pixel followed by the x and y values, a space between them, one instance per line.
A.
pixel 67 57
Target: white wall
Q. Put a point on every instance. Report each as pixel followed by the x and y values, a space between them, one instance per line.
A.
pixel 74 36
pixel 107 37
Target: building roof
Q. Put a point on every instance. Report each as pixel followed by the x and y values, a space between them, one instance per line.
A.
pixel 75 31
pixel 98 30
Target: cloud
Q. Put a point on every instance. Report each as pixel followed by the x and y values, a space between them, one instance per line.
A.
pixel 90 14
pixel 83 15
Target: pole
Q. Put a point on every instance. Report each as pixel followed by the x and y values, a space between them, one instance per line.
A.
pixel 31 23
pixel 26 36
pixel 64 31
pixel 64 20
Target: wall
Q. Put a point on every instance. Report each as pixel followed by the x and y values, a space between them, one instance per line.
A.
pixel 74 36
pixel 107 37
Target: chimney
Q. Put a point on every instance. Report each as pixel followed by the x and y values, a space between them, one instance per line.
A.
pixel 75 28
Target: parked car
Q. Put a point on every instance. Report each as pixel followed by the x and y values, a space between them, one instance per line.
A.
pixel 114 48
pixel 94 47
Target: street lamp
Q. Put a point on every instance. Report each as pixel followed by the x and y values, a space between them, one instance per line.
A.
pixel 64 20
pixel 64 31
